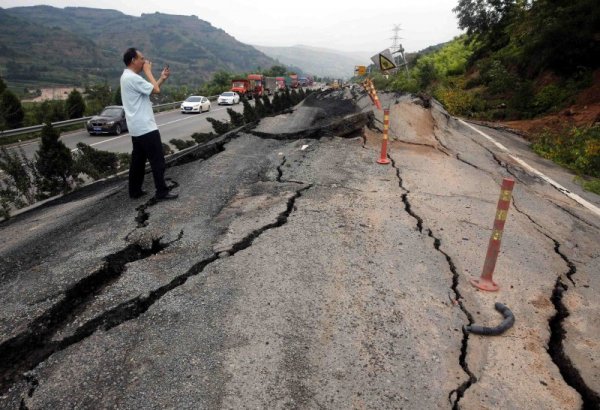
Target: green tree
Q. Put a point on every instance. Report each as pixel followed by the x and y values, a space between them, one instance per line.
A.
pixel 54 163
pixel 11 110
pixel 95 163
pixel 561 35
pixel 481 16
pixel 427 73
pixel 276 71
pixel 98 97
pixel 19 186
pixel 249 113
pixel 237 119
pixel 277 107
pixel 75 106
pixel 117 96
pixel 259 108
pixel 267 104
pixel 2 85
pixel 49 111
pixel 222 79
pixel 220 127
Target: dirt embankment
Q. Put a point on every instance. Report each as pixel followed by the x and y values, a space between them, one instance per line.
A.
pixel 585 112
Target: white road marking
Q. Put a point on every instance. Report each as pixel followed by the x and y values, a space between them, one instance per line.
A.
pixel 528 167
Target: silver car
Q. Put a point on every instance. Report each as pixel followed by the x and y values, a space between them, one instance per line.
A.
pixel 228 97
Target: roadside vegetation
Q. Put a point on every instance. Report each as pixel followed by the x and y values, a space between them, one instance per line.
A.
pixel 56 170
pixel 519 60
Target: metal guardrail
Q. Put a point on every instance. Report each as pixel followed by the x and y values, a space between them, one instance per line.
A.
pixel 59 124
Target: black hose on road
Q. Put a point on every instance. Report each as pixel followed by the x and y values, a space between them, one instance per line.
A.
pixel 507 323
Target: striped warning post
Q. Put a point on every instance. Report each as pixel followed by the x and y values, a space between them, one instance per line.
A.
pixel 486 282
pixel 365 84
pixel 374 92
pixel 383 159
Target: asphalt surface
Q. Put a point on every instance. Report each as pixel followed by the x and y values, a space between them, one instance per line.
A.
pixel 293 271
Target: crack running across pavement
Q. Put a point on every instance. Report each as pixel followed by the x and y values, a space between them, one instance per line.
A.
pixel 34 345
pixel 570 374
pixel 455 395
pixel 127 310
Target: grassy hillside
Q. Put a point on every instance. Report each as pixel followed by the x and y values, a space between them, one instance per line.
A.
pixel 532 65
pixel 78 45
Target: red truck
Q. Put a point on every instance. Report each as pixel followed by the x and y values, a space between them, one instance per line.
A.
pixel 257 84
pixel 243 87
pixel 280 83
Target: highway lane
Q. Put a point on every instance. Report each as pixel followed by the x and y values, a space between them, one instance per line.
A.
pixel 172 125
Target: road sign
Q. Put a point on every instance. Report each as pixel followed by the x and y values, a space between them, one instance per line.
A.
pixel 384 60
pixel 360 70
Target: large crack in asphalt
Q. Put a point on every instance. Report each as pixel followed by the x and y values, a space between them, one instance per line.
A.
pixel 570 374
pixel 455 395
pixel 20 355
pixel 34 345
pixel 555 349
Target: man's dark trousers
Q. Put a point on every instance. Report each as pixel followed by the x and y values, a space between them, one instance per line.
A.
pixel 147 147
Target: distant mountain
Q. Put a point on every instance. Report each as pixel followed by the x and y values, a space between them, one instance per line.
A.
pixel 78 45
pixel 321 62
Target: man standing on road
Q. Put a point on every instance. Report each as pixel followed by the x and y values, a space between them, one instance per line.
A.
pixel 135 94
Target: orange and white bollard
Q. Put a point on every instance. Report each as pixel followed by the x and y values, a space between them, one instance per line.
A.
pixel 486 282
pixel 383 159
pixel 368 90
pixel 374 93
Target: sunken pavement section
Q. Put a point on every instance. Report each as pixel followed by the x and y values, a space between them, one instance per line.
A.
pixel 294 271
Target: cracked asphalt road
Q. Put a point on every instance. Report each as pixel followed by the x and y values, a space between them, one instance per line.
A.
pixel 295 272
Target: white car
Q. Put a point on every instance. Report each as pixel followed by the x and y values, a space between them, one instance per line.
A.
pixel 228 97
pixel 195 103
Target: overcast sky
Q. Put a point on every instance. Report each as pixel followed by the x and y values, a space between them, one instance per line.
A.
pixel 363 26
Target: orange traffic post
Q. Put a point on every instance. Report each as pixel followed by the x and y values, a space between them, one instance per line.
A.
pixel 486 282
pixel 368 90
pixel 383 159
pixel 374 92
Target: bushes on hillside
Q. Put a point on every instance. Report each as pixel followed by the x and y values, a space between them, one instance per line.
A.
pixel 575 148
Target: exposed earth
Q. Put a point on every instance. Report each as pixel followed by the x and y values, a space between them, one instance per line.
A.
pixel 585 112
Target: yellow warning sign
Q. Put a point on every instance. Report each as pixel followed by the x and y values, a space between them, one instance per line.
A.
pixel 384 60
pixel 385 64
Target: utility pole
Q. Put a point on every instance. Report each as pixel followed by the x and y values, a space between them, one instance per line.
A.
pixel 397 48
pixel 396 38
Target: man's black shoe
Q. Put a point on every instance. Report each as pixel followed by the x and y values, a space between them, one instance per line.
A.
pixel 166 197
pixel 137 195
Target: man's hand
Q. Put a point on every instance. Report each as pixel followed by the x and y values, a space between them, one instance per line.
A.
pixel 165 73
pixel 147 67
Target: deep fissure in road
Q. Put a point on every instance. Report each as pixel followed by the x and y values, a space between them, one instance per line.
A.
pixel 455 395
pixel 26 350
pixel 134 308
pixel 591 399
pixel 570 374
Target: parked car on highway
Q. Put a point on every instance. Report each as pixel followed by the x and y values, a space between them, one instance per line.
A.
pixel 228 97
pixel 110 121
pixel 195 103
